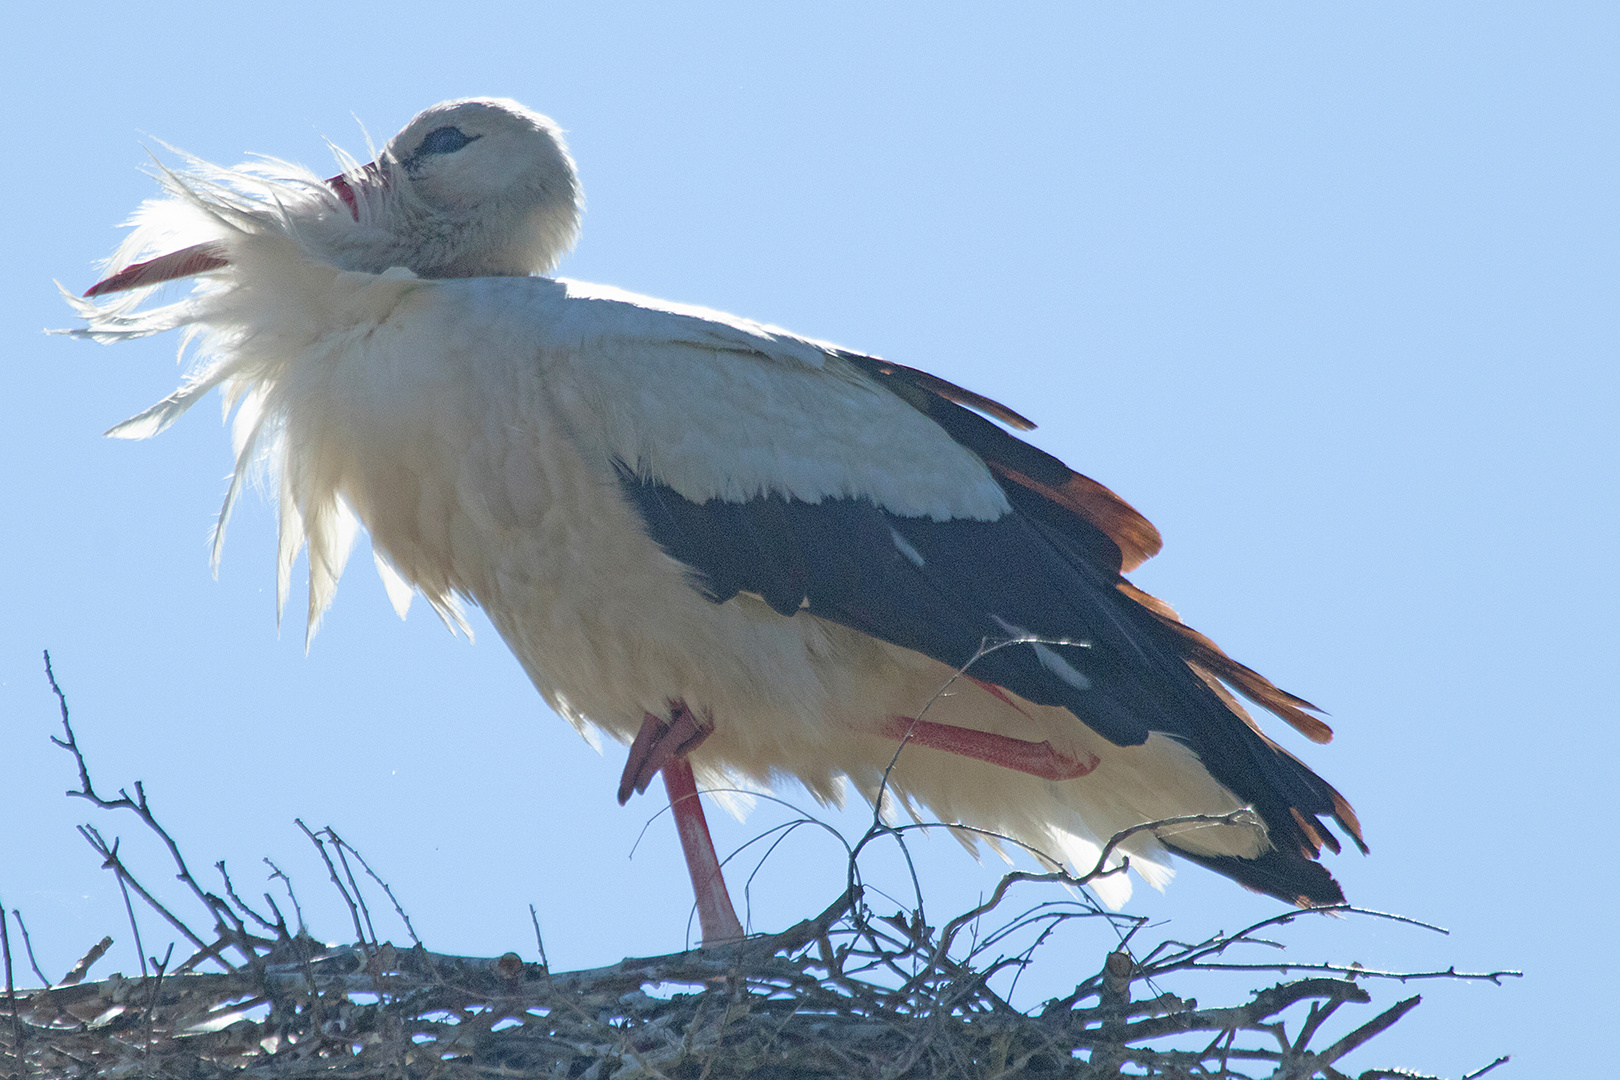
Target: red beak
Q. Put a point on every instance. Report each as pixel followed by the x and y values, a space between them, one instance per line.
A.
pixel 200 258
pixel 340 184
pixel 369 174
pixel 177 264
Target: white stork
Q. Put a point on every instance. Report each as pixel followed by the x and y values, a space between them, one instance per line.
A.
pixel 731 547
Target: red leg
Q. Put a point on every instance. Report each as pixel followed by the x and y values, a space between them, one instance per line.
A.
pixel 1035 758
pixel 661 746
pixel 716 916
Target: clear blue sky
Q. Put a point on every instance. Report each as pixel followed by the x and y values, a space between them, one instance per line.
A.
pixel 1327 291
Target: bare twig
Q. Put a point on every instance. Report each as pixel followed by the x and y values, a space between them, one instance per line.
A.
pixel 1318 1016
pixel 359 897
pixel 948 936
pixel 539 941
pixel 1356 971
pixel 389 892
pixel 354 912
pixel 11 988
pixel 231 928
pixel 1477 1073
pixel 28 946
pixel 298 912
pixel 1366 1031
pixel 230 892
pixel 1192 957
pixel 127 881
pixel 134 927
pixel 281 920
pixel 159 966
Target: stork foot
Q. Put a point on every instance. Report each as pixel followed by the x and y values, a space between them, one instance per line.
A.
pixel 658 742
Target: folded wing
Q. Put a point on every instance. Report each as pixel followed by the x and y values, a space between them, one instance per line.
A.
pixel 947 577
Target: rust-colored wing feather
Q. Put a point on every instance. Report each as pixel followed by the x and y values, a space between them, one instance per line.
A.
pixel 1203 654
pixel 1015 461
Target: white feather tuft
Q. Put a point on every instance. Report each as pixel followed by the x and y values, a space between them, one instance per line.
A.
pixel 255 330
pixel 400 592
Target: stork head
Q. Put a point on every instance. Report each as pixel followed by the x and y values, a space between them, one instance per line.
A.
pixel 471 188
pixel 476 187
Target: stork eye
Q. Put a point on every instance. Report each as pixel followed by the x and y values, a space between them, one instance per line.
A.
pixel 445 140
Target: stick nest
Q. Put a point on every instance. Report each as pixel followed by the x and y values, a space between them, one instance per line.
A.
pixel 779 1006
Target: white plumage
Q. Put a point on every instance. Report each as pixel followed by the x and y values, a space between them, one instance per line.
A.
pixel 659 504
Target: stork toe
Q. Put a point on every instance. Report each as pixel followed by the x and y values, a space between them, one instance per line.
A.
pixel 656 744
